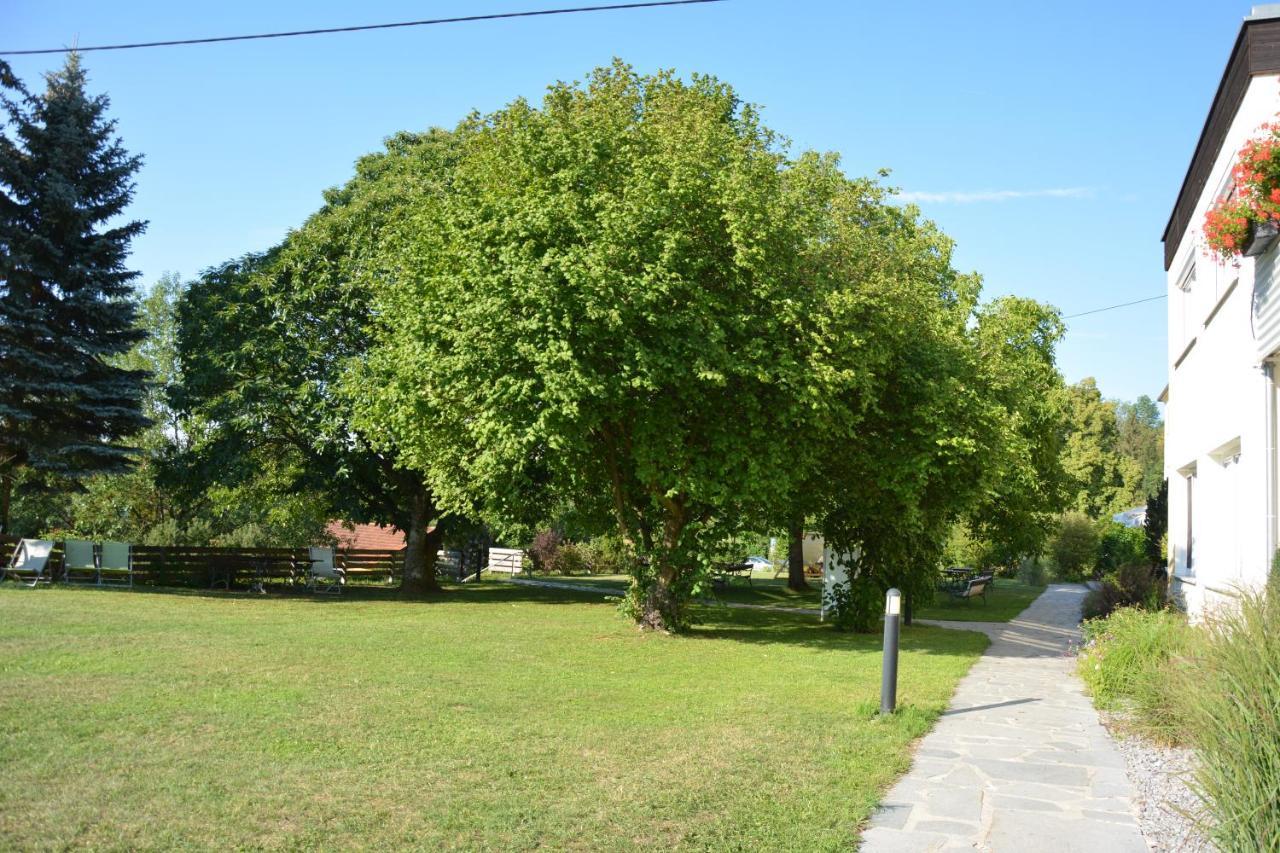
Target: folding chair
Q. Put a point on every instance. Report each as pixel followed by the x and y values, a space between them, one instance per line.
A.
pixel 79 563
pixel 31 557
pixel 324 576
pixel 115 564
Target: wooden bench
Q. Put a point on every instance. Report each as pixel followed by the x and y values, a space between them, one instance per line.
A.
pixel 976 588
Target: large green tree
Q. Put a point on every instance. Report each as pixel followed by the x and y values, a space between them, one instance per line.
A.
pixel 966 428
pixel 632 299
pixel 148 504
pixel 145 503
pixel 1023 481
pixel 272 349
pixel 1104 480
pixel 1141 438
pixel 66 302
pixel 608 306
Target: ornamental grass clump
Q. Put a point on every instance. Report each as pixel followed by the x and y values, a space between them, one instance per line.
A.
pixel 1126 663
pixel 1230 706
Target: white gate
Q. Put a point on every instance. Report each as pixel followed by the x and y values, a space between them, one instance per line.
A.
pixel 509 560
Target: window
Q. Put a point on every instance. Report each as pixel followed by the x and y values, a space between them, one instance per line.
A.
pixel 1186 322
pixel 1223 501
pixel 1191 536
pixel 1188 276
pixel 1229 510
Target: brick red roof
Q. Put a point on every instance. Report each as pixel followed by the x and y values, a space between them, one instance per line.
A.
pixel 366 536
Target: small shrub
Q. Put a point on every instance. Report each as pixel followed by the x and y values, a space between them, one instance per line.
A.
pixel 1142 586
pixel 1134 585
pixel 1231 697
pixel 570 559
pixel 1127 664
pixel 1102 602
pixel 1119 545
pixel 543 550
pixel 854 605
pixel 1074 546
pixel 1031 571
pixel 607 555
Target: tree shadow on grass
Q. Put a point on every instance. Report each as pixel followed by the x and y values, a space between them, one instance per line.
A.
pixel 712 622
pixel 491 592
pixel 767 627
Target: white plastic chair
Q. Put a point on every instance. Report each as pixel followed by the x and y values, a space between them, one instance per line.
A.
pixel 31 557
pixel 324 576
pixel 79 563
pixel 115 564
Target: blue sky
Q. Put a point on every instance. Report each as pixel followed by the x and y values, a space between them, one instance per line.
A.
pixel 1048 139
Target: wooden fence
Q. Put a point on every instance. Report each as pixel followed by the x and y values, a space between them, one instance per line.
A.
pixel 229 567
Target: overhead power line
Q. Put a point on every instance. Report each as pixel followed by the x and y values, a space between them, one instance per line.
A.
pixel 1113 307
pixel 464 19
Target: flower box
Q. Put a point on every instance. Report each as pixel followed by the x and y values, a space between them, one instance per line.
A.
pixel 1262 236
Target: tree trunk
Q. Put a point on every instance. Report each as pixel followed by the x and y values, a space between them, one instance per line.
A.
pixel 795 556
pixel 420 550
pixel 906 608
pixel 663 607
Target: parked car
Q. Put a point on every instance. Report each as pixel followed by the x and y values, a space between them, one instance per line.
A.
pixel 759 564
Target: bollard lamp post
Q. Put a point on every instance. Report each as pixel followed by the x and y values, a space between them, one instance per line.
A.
pixel 889 670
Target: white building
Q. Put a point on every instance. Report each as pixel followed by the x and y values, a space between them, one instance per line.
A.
pixel 1224 345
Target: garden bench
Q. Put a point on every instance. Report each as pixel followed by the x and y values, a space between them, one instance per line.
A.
pixel 976 588
pixel 954 578
pixel 735 570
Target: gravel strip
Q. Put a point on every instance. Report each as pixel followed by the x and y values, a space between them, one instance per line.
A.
pixel 1161 795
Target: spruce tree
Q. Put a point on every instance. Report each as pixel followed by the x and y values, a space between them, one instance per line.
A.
pixel 66 300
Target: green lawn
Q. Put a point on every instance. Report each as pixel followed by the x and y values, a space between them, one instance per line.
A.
pixel 1005 600
pixel 495 717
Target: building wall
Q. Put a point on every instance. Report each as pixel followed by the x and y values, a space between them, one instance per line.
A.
pixel 1224 323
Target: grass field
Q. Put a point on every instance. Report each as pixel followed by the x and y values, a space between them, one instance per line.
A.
pixel 1005 600
pixel 495 717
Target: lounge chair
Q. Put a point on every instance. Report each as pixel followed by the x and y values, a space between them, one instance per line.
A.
pixel 30 558
pixel 115 564
pixel 324 576
pixel 79 562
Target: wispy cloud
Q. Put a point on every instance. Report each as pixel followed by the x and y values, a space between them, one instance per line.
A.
pixel 977 196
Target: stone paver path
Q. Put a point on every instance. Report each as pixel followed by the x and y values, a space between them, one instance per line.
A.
pixel 1019 762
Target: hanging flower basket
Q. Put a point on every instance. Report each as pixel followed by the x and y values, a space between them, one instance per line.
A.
pixel 1246 221
pixel 1262 236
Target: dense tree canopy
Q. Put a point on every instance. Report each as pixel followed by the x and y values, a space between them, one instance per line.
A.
pixel 272 344
pixel 1104 480
pixel 633 299
pixel 966 429
pixel 607 305
pixel 1024 485
pixel 1141 438
pixel 66 306
pixel 144 504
